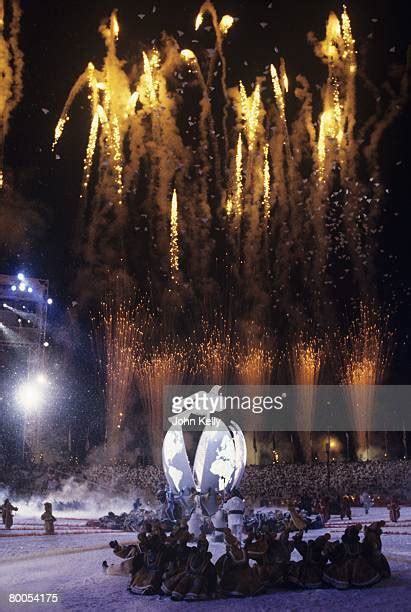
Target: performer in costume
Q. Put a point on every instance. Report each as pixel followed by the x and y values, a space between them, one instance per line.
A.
pixel 365 500
pixel 394 508
pixel 198 580
pixel 345 506
pixel 272 554
pixel 148 568
pixel 297 520
pixel 7 513
pixel 371 549
pixel 348 567
pixel 179 553
pixel 127 552
pixel 308 572
pixel 235 507
pixel 48 519
pixel 324 509
pixel 237 578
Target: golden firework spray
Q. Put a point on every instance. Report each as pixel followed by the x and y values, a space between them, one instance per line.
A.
pixel 11 71
pixel 174 254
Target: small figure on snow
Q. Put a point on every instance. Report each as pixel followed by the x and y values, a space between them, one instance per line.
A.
pixel 345 507
pixel 365 500
pixel 7 513
pixel 394 508
pixel 48 518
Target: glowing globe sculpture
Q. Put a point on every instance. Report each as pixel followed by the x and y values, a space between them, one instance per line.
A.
pixel 220 457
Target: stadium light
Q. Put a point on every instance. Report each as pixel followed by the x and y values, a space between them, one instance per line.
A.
pixel 22 287
pixel 14 288
pixel 49 301
pixel 20 276
pixel 30 290
pixel 30 396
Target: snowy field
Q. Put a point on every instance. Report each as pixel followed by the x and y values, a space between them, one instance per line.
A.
pixel 69 565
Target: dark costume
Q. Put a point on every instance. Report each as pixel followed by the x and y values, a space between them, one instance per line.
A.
pixel 198 579
pixel 7 513
pixel 325 509
pixel 48 519
pixel 345 507
pixel 308 572
pixel 179 553
pixel 272 555
pixel 237 578
pixel 371 549
pixel 394 508
pixel 348 566
pixel 149 565
pixel 127 552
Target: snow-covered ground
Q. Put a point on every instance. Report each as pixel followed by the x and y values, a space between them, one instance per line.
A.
pixel 69 565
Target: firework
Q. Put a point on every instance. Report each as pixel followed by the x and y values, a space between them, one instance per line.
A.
pixel 11 69
pixel 365 357
pixel 165 365
pixel 246 201
pixel 306 358
pixel 119 332
pixel 174 263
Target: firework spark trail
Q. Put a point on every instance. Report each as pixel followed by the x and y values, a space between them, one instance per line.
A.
pixel 202 219
pixel 174 250
pixel 220 28
pixel 119 330
pixel 11 70
pixel 254 362
pixel 216 347
pixel 365 354
pixel 306 357
pixel 164 366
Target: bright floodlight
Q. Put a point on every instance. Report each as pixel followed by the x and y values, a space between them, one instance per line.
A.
pixel 30 289
pixel 13 288
pixel 22 286
pixel 4 305
pixel 46 344
pixel 42 379
pixel 49 301
pixel 20 276
pixel 30 396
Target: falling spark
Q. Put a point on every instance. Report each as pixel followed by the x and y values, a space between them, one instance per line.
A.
pixel 250 108
pixel 365 354
pixel 118 333
pixel 226 23
pixel 278 93
pixel 238 177
pixel 174 250
pixel 199 21
pixel 306 361
pixel 163 366
pixel 267 180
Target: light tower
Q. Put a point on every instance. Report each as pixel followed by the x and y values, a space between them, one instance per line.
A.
pixel 24 304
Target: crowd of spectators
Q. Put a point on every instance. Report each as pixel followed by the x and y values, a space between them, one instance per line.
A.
pixel 263 484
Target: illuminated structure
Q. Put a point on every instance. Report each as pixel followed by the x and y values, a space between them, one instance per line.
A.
pixel 220 457
pixel 23 322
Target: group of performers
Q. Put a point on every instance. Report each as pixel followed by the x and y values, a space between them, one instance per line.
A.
pixel 47 517
pixel 170 563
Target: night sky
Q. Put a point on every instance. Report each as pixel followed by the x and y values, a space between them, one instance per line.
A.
pixel 59 38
